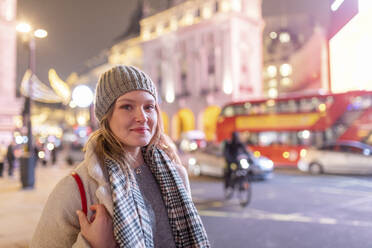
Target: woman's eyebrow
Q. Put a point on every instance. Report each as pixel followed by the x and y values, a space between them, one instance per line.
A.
pixel 133 101
pixel 125 100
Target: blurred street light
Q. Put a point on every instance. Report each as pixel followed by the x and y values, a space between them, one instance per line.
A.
pixel 23 27
pixel 82 96
pixel 40 33
pixel 28 37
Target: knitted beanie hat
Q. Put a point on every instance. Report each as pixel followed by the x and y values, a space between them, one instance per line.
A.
pixel 118 81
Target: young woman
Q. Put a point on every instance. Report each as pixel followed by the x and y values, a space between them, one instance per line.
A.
pixel 137 189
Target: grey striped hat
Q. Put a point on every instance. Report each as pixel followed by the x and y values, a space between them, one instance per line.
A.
pixel 117 81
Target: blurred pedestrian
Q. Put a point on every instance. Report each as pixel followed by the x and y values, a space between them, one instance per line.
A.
pixel 36 153
pixel 137 189
pixel 2 158
pixel 45 155
pixel 10 157
pixel 53 154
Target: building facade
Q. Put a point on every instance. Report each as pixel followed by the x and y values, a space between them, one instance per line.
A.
pixel 201 55
pixel 10 106
pixel 295 55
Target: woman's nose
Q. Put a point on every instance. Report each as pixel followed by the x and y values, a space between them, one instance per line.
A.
pixel 140 115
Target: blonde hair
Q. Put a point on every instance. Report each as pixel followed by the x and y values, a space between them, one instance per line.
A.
pixel 108 146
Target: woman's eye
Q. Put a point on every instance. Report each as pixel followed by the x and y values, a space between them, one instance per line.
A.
pixel 126 106
pixel 150 107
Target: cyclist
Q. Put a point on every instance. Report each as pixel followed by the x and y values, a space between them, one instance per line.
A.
pixel 231 150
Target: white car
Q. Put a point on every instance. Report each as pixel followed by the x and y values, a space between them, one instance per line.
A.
pixel 345 157
pixel 210 161
pixel 192 140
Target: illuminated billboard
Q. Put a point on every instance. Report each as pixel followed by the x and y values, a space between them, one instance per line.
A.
pixel 351 52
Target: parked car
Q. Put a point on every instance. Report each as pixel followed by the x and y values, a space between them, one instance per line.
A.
pixel 349 157
pixel 192 140
pixel 210 161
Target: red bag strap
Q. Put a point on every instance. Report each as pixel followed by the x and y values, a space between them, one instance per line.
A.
pixel 82 191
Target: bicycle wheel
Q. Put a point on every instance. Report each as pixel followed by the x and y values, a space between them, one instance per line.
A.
pixel 245 192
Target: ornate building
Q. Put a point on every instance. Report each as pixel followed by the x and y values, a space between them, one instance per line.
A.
pixel 201 54
pixel 294 55
pixel 10 106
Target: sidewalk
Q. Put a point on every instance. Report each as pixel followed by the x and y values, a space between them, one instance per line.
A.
pixel 20 209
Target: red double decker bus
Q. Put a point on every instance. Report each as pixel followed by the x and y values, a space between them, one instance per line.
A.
pixel 281 129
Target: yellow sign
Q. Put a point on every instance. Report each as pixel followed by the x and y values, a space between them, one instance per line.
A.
pixel 275 122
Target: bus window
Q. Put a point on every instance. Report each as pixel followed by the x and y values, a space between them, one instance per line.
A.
pixel 293 139
pixel 267 138
pixel 281 107
pixel 228 111
pixel 263 108
pixel 360 103
pixel 249 138
pixel 284 138
pixel 270 105
pixel 247 107
pixel 338 129
pixel 239 110
pixel 356 103
pixel 315 101
pixel 367 102
pixel 329 100
pixel 317 138
pixel 292 106
pixel 305 137
pixel 255 109
pixel 306 105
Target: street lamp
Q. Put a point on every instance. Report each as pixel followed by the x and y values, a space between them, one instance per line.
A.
pixel 28 160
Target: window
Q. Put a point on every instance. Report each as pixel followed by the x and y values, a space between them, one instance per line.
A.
pixel 290 106
pixel 250 138
pixel 228 111
pixel 355 150
pixel 360 102
pixel 239 110
pixel 214 150
pixel 255 109
pixel 329 148
pixel 268 138
pixel 307 105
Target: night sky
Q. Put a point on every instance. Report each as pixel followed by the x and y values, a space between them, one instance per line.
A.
pixel 78 30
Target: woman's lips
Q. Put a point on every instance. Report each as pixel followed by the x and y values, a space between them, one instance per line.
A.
pixel 141 130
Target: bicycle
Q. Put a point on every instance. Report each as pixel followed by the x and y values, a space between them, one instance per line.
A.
pixel 239 181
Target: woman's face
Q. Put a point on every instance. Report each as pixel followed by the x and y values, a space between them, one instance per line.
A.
pixel 134 118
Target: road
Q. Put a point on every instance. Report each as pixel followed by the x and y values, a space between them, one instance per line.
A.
pixel 290 210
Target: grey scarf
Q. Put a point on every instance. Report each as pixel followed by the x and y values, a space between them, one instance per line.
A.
pixel 132 227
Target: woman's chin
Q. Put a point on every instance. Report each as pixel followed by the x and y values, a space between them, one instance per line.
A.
pixel 140 142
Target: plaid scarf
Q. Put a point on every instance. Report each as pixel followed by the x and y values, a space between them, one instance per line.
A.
pixel 132 227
